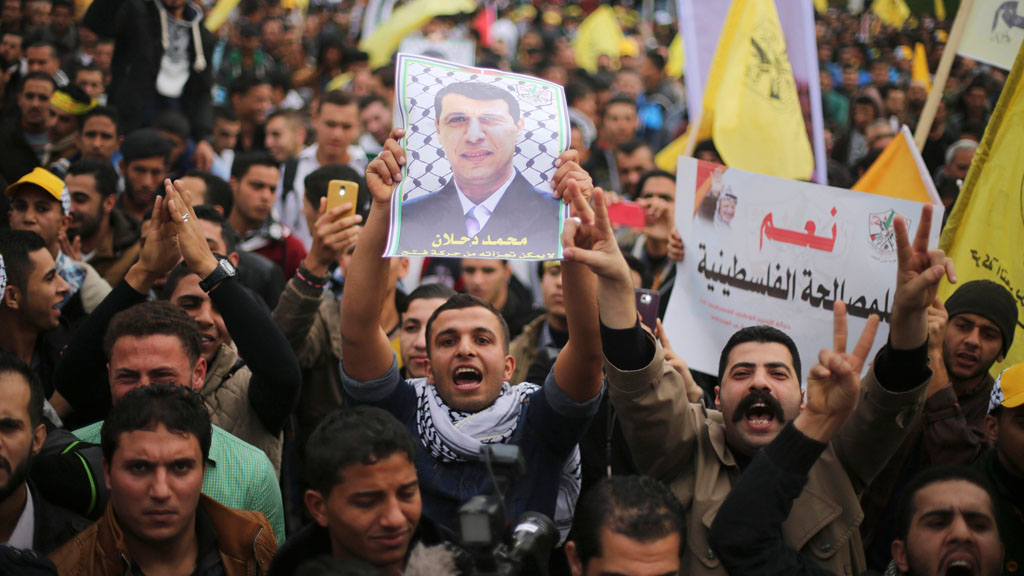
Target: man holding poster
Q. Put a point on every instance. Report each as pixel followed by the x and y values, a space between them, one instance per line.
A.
pixel 496 201
pixel 699 453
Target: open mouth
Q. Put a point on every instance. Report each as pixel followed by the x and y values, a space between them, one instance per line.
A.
pixel 759 415
pixel 467 378
pixel 760 410
pixel 960 567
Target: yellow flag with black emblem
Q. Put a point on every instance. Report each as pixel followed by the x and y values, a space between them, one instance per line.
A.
pixel 757 122
pixel 985 231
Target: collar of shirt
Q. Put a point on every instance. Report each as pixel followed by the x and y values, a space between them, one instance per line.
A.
pixel 489 204
pixel 22 535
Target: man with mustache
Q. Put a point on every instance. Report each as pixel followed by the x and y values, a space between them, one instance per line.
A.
pixel 699 453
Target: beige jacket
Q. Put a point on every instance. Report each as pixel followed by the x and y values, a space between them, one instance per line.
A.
pixel 684 446
pixel 226 395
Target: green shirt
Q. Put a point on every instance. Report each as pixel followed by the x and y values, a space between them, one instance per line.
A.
pixel 238 475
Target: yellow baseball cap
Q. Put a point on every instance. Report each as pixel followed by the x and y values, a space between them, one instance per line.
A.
pixel 1008 391
pixel 46 180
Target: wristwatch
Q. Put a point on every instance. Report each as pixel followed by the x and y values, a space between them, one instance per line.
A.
pixel 223 271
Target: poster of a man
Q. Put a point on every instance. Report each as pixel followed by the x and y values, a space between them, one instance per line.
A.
pixel 481 148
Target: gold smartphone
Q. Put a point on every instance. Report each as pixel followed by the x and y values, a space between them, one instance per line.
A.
pixel 341 192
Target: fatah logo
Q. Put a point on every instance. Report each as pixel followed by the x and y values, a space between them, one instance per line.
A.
pixel 536 95
pixel 882 235
pixel 768 71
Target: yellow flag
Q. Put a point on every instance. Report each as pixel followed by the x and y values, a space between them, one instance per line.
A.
pixel 406 19
pixel 892 12
pixel 599 34
pixel 920 67
pixel 219 14
pixel 822 6
pixel 985 232
pixel 676 58
pixel 940 10
pixel 668 157
pixel 758 125
pixel 899 172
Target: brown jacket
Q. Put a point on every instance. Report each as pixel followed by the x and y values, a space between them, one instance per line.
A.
pixel 244 539
pixel 684 446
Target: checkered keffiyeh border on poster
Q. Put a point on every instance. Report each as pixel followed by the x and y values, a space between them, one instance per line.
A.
pixel 428 170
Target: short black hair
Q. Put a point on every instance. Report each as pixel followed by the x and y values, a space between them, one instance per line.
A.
pixel 293 117
pixel 16 247
pixel 637 507
pixel 576 90
pixel 246 82
pixel 146 143
pixel 336 98
pixel 369 99
pixel 11 364
pixel 460 301
pixel 621 99
pixel 101 171
pixel 225 113
pixel 477 91
pixel 760 334
pixel 178 408
pixel 227 232
pixel 40 42
pixel 244 161
pixel 173 121
pixel 632 145
pixel 104 111
pixel 905 508
pixel 37 75
pixel 152 318
pixel 656 59
pixel 656 173
pixel 218 191
pixel 353 435
pixel 428 292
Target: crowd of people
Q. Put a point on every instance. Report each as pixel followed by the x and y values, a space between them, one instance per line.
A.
pixel 204 370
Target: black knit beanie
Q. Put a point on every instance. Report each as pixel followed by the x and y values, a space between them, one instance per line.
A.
pixel 989 300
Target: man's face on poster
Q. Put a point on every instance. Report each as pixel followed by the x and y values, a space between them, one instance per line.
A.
pixel 479 139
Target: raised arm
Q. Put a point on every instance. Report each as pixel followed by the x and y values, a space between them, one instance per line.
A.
pixel 893 390
pixel 365 347
pixel 276 378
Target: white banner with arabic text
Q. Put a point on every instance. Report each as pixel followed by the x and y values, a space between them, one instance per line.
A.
pixel 764 250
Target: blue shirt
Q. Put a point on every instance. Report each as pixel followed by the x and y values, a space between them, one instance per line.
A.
pixel 550 425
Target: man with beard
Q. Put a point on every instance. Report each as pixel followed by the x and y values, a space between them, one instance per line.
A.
pixel 27 520
pixel 23 138
pixel 108 240
pixel 67 106
pixel 98 134
pixel 30 306
pixel 144 165
pixel 982 318
pixel 700 452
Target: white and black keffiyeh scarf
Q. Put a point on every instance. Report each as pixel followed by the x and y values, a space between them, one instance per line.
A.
pixel 453 436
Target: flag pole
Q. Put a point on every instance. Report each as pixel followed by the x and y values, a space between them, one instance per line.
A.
pixel 931 105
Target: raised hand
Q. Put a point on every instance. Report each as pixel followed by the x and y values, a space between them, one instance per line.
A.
pixel 191 238
pixel 332 234
pixel 386 169
pixel 159 252
pixel 917 282
pixel 569 170
pixel 833 384
pixel 71 248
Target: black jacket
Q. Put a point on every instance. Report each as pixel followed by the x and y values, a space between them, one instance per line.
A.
pixel 523 212
pixel 18 158
pixel 53 525
pixel 313 540
pixel 136 27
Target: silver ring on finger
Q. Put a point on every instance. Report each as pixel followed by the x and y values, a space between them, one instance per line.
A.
pixel 184 217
